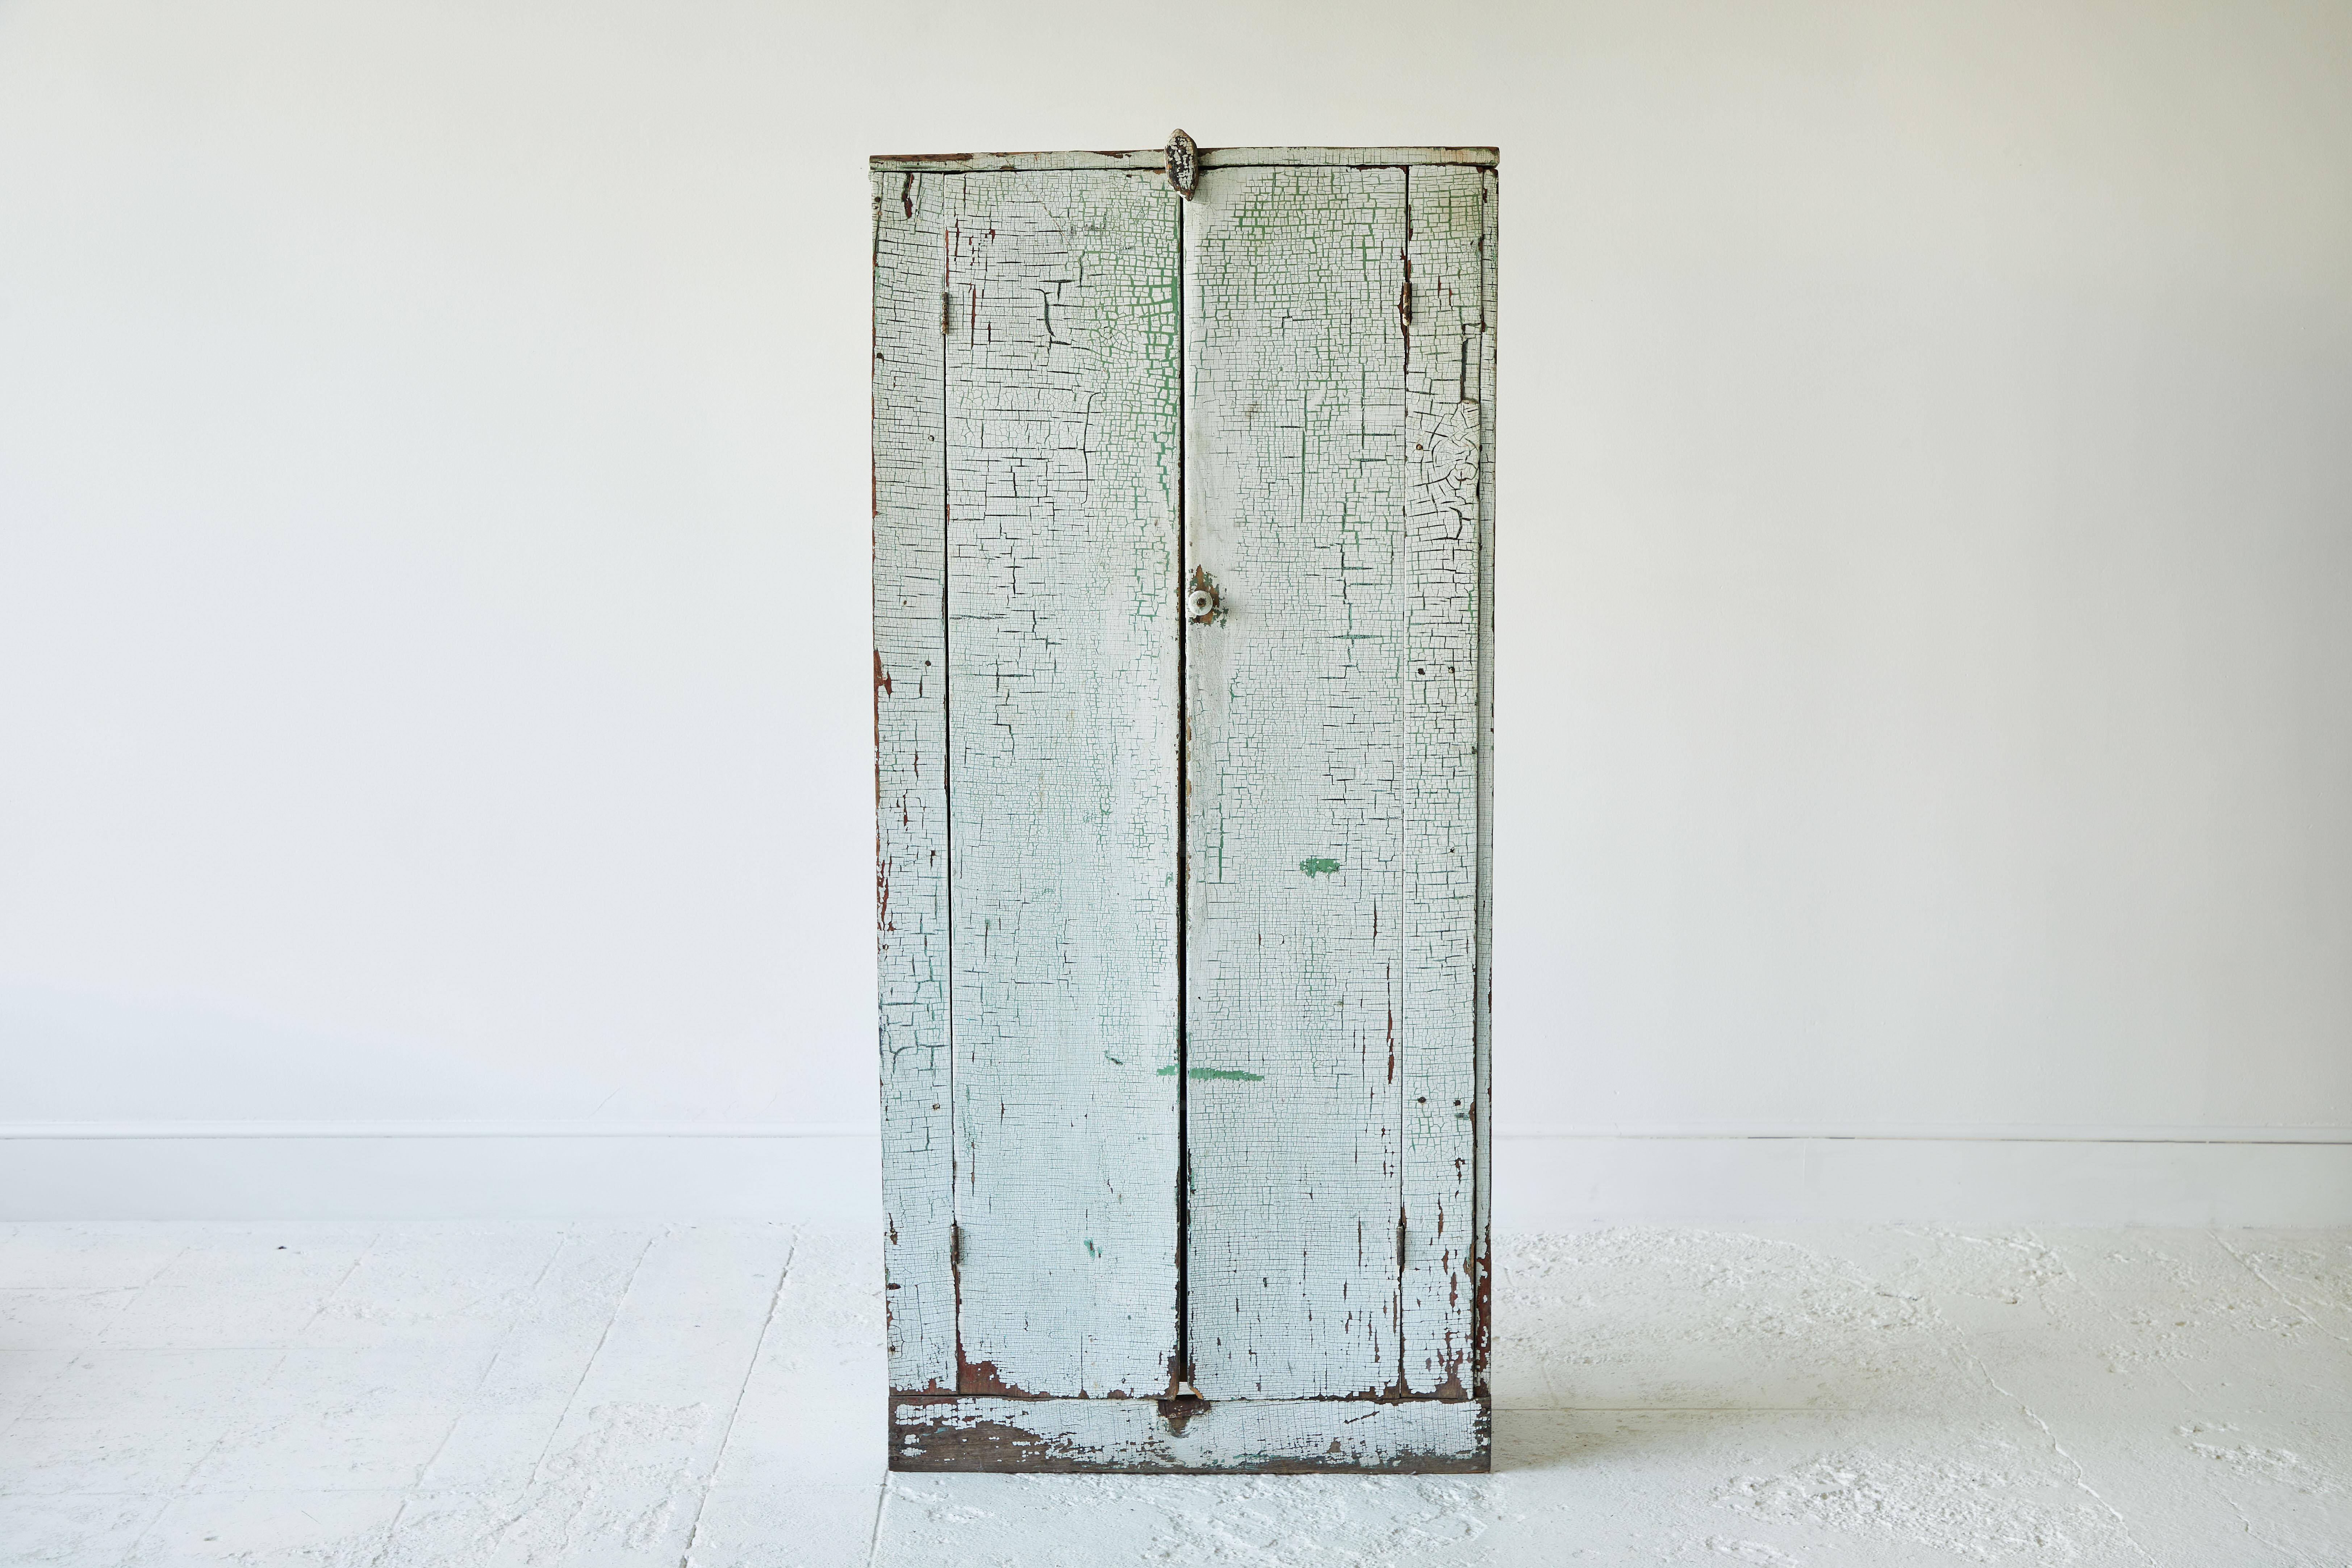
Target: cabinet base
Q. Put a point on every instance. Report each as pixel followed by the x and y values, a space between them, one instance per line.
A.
pixel 1151 1437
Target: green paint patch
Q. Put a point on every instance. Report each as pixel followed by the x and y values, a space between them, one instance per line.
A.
pixel 1210 1074
pixel 1319 867
pixel 1091 1251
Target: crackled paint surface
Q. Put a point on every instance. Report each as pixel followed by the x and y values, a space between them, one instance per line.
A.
pixel 1482 1110
pixel 1335 343
pixel 911 686
pixel 1062 691
pixel 1445 399
pixel 1307 350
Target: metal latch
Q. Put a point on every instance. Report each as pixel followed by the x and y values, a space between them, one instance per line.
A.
pixel 1202 605
pixel 1183 164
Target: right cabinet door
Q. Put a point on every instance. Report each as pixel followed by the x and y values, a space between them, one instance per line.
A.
pixel 1337 354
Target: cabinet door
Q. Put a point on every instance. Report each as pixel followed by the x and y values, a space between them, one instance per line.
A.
pixel 1029 664
pixel 1334 346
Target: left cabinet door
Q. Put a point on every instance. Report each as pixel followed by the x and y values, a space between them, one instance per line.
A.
pixel 1026 620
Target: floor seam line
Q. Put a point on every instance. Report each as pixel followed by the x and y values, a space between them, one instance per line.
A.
pixel 181 1489
pixel 874 1537
pixel 620 1305
pixel 409 1494
pixel 735 1414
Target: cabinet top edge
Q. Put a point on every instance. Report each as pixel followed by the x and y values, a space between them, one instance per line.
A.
pixel 1152 160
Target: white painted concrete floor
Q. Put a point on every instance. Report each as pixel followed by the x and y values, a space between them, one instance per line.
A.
pixel 467 1396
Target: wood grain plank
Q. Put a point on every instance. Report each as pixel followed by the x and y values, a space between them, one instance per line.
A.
pixel 1265 1436
pixel 1296 862
pixel 1437 1021
pixel 1484 1121
pixel 1063 646
pixel 910 755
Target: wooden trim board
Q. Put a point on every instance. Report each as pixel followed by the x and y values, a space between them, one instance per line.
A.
pixel 1154 159
pixel 1170 1436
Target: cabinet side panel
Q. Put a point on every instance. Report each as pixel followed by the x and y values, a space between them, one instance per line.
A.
pixel 1295 341
pixel 1437 1021
pixel 1483 1326
pixel 1063 638
pixel 911 756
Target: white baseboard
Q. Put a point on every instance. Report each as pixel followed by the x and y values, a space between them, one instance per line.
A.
pixel 426 1170
pixel 1544 1178
pixel 1558 1181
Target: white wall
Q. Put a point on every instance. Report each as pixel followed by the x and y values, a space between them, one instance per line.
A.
pixel 432 644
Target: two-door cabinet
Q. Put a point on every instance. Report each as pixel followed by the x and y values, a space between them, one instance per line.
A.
pixel 1183 554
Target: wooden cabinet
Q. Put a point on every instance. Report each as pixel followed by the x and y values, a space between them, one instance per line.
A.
pixel 1183 651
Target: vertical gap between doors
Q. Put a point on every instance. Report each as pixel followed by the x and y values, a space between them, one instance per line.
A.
pixel 946 788
pixel 1180 1372
pixel 1399 990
